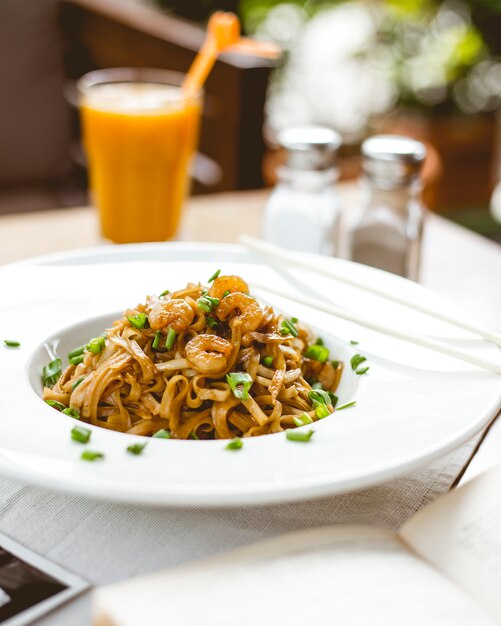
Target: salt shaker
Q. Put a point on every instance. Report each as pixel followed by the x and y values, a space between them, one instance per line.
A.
pixel 302 212
pixel 387 231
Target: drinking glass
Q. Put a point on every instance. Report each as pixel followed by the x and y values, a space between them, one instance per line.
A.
pixel 140 133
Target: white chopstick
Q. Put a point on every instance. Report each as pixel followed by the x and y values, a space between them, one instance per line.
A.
pixel 279 254
pixel 420 340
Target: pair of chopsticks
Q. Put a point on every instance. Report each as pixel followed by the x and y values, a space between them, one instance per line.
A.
pixel 279 256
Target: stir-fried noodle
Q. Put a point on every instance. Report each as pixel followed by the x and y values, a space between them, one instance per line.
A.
pixel 202 362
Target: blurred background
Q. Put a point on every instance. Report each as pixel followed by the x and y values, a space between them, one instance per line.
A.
pixel 426 68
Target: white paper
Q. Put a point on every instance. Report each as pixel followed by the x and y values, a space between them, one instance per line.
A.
pixel 352 576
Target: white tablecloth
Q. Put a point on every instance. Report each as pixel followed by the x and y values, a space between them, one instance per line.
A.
pixel 109 542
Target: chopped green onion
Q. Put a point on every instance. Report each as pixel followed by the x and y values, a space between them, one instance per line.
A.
pixel 193 435
pixel 212 322
pixel 317 353
pixel 299 435
pixel 346 406
pixel 138 321
pixel 76 360
pixel 214 276
pixel 56 405
pixel 90 455
pixel 96 345
pixel 136 448
pixel 235 444
pixel 156 340
pixel 205 304
pixel 356 359
pixel 171 338
pixel 287 328
pixel 302 420
pixel 294 320
pixel 226 293
pixel 72 413
pixel 164 293
pixel 364 370
pixel 319 396
pixel 335 364
pixel 80 434
pixel 11 343
pixel 319 341
pixel 52 372
pixel 333 398
pixel 240 383
pixel 75 384
pixel 268 361
pixel 162 434
pixel 353 342
pixel 76 352
pixel 322 411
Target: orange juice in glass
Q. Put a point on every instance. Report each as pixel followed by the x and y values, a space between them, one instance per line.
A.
pixel 140 133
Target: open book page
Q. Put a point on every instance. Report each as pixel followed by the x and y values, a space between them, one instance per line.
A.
pixel 461 535
pixel 347 575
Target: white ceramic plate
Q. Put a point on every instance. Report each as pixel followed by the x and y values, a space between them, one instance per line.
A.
pixel 412 406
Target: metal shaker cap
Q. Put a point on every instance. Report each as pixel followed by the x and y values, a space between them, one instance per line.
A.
pixel 309 147
pixel 392 160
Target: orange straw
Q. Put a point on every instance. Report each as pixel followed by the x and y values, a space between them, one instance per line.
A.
pixel 223 32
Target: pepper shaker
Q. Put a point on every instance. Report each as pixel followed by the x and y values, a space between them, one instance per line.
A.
pixel 387 230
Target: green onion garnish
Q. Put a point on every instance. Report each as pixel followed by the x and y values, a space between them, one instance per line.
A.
pixel 364 370
pixel 212 322
pixel 353 342
pixel 322 411
pixel 162 434
pixel 240 383
pixel 11 343
pixel 355 361
pixel 268 361
pixel 207 303
pixel 214 276
pixel 138 321
pixel 235 444
pixel 294 320
pixel 171 338
pixel 317 353
pixel 302 420
pixel 76 383
pixel 72 413
pixel 319 396
pixel 346 406
pixel 333 398
pixel 56 405
pixel 319 341
pixel 226 293
pixel 137 448
pixel 52 372
pixel 164 293
pixel 156 340
pixel 76 352
pixel 96 345
pixel 80 434
pixel 287 328
pixel 193 435
pixel 335 364
pixel 90 455
pixel 299 435
pixel 76 360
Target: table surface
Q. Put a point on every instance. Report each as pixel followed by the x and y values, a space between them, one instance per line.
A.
pixel 460 265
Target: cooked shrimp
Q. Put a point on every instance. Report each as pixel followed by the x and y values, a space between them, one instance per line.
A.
pixel 175 313
pixel 208 354
pixel 242 306
pixel 222 284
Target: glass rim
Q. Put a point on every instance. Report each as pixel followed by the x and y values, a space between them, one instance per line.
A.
pixel 132 75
